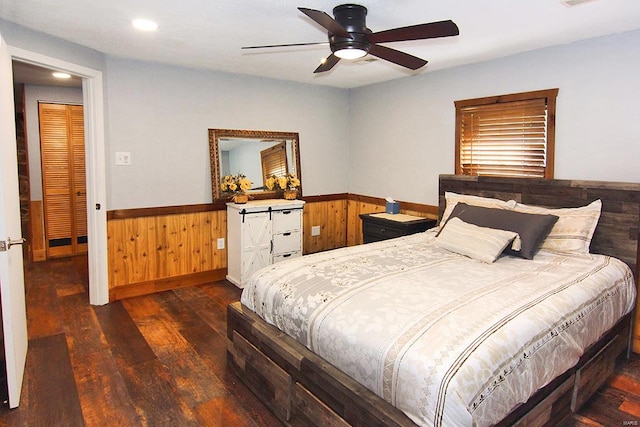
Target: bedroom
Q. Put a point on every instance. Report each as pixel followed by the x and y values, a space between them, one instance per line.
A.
pixel 597 86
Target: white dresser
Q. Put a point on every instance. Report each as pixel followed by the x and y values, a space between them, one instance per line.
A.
pixel 260 233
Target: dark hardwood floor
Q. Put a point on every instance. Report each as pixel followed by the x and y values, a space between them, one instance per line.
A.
pixel 160 360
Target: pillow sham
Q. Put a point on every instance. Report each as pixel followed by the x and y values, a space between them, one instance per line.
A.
pixel 452 199
pixel 531 228
pixel 573 231
pixel 480 243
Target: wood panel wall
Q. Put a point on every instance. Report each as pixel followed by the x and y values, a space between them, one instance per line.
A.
pixel 37 244
pixel 150 250
pixel 151 253
pixel 331 217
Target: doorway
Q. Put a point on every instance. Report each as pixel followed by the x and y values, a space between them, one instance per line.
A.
pixel 93 101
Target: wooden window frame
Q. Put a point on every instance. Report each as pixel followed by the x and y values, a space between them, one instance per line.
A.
pixel 549 95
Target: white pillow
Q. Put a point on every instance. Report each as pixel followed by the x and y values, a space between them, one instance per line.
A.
pixel 453 198
pixel 574 229
pixel 480 243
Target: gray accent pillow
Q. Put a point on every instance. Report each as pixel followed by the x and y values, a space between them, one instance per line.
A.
pixel 531 228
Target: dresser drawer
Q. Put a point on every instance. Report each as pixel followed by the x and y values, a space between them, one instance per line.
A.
pixel 286 220
pixel 286 242
pixel 288 255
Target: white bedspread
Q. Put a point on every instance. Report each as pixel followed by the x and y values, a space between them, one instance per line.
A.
pixel 448 340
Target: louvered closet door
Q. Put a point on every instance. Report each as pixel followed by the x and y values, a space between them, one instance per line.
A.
pixel 63 178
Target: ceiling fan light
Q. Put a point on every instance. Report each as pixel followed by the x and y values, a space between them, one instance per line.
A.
pixel 350 53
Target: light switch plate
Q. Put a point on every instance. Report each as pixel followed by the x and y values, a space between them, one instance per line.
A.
pixel 221 243
pixel 123 158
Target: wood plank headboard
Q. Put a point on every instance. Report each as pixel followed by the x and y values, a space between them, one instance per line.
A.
pixel 618 229
pixel 619 224
pixel 617 233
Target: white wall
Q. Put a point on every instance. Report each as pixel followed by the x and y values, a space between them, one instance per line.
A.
pixel 403 132
pixel 161 115
pixel 33 94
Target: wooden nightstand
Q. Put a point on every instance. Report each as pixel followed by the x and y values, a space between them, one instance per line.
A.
pixel 382 226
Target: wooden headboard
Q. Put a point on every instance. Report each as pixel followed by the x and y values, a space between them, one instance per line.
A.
pixel 617 233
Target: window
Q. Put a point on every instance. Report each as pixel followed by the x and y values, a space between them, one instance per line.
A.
pixel 274 161
pixel 507 135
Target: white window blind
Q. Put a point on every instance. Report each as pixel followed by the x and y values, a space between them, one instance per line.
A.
pixel 506 135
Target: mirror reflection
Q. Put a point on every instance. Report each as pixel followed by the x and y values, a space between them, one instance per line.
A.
pixel 256 154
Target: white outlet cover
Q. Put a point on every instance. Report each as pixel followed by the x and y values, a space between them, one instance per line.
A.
pixel 123 158
pixel 315 230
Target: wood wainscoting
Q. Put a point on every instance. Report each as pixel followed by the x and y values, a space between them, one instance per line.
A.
pixel 151 250
pixel 156 249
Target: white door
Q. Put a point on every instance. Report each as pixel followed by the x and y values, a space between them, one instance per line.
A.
pixel 14 316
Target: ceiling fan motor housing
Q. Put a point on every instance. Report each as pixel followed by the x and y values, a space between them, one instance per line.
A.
pixel 353 18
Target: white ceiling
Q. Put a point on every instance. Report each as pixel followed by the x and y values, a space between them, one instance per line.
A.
pixel 208 34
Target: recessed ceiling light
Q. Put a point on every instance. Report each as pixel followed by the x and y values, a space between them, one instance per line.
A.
pixel 145 25
pixel 59 75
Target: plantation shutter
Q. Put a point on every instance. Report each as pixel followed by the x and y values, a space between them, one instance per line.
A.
pixel 510 135
pixel 274 161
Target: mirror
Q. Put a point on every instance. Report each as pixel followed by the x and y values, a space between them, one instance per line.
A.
pixel 256 154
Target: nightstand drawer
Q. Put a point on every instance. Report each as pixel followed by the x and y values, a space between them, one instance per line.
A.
pixel 381 231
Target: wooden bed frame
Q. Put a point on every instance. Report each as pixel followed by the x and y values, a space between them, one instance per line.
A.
pixel 302 389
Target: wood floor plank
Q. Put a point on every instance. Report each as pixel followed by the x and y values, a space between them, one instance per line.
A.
pixel 125 340
pixel 103 396
pixel 52 397
pixel 43 318
pixel 156 401
pixel 190 376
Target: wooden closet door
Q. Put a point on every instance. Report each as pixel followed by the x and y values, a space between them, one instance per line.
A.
pixel 63 178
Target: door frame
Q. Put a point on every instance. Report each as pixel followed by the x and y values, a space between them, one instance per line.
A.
pixel 93 99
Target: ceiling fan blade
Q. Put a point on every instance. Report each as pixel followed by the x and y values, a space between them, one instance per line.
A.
pixel 327 64
pixel 284 45
pixel 416 32
pixel 326 21
pixel 397 57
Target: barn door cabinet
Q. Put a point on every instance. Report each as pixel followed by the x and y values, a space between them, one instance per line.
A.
pixel 260 233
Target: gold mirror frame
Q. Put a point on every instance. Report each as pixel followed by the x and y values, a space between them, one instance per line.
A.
pixel 215 135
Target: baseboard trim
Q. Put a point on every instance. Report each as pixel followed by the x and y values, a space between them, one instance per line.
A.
pixel 159 285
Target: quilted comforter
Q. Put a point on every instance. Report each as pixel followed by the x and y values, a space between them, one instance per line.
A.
pixel 448 340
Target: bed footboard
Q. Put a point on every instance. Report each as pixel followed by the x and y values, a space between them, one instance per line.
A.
pixel 302 389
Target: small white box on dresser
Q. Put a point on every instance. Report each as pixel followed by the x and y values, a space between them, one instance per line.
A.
pixel 260 233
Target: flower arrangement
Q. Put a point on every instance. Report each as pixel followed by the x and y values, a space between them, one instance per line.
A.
pixel 286 182
pixel 238 185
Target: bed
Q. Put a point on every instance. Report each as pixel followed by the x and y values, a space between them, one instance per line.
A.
pixel 388 316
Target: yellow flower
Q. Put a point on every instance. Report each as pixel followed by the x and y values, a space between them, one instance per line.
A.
pixel 282 182
pixel 245 184
pixel 235 183
pixel 294 182
pixel 271 182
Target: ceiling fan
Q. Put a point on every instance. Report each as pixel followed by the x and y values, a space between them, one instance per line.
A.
pixel 349 37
